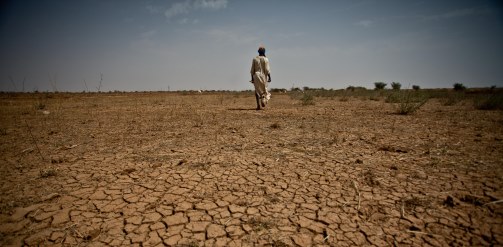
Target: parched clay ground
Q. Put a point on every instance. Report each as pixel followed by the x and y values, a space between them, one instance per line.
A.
pixel 208 170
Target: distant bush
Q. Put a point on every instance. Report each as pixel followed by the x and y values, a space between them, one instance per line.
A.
pixel 416 87
pixel 490 102
pixel 396 85
pixel 278 90
pixel 379 85
pixel 459 87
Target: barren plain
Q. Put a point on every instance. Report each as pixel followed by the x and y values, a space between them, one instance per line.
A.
pixel 173 169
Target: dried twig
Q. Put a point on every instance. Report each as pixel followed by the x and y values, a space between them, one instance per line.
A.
pixel 355 186
pixel 100 83
pixel 326 238
pixel 494 202
pixel 26 150
pixel 34 140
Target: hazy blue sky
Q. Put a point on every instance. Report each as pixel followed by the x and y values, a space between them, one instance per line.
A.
pixel 209 44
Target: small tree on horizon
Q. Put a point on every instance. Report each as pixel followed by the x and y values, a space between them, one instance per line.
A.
pixel 459 87
pixel 396 85
pixel 416 87
pixel 379 85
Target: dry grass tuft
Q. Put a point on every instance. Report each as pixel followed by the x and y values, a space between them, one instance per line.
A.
pixel 47 173
pixel 259 223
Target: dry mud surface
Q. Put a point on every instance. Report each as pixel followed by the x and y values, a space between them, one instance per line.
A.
pixel 208 170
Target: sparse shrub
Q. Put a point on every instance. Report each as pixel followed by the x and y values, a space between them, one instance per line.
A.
pixel 39 106
pixel 396 85
pixel 416 87
pixel 491 102
pixel 374 97
pixel 259 223
pixel 459 87
pixel 409 107
pixel 409 102
pixel 379 85
pixel 453 99
pixel 393 98
pixel 307 99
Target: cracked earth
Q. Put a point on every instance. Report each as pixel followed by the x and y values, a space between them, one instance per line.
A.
pixel 166 169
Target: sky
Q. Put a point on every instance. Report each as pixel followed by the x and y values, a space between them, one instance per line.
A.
pixel 150 45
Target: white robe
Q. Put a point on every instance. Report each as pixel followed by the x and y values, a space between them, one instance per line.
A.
pixel 259 71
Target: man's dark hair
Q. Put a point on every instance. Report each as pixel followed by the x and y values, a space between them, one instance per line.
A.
pixel 261 51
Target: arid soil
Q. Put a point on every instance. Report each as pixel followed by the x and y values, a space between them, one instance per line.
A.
pixel 154 169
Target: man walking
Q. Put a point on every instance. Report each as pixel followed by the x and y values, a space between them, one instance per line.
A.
pixel 261 76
